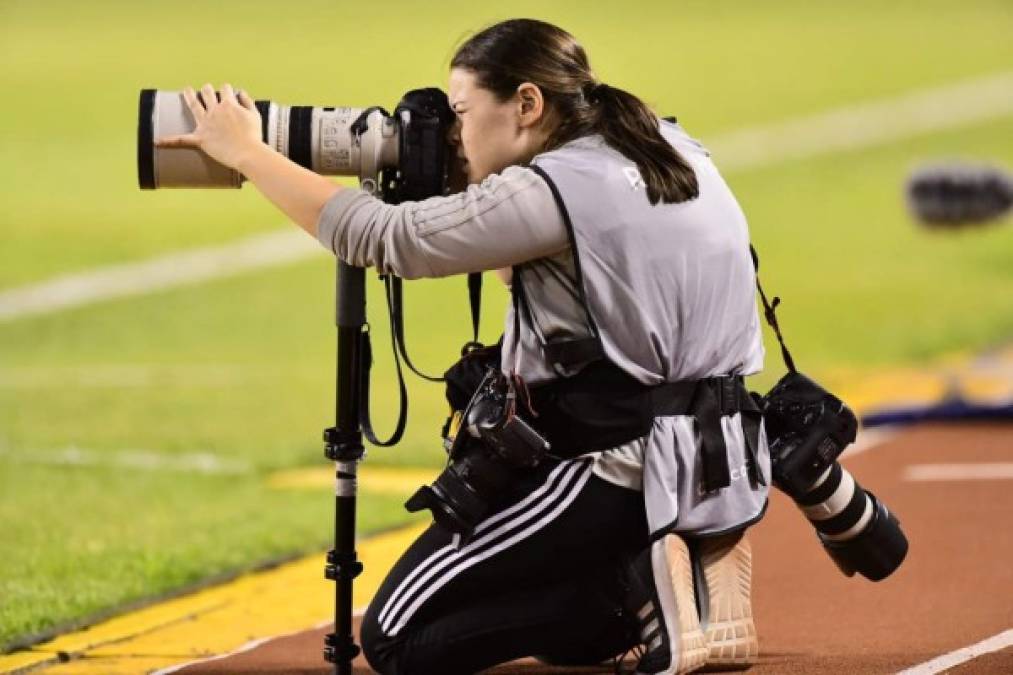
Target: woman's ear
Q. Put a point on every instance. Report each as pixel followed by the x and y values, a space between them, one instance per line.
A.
pixel 530 104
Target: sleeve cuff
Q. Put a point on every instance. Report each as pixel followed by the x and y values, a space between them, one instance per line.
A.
pixel 332 215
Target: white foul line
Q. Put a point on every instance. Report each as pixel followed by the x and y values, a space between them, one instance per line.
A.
pixel 167 271
pixel 122 376
pixel 144 460
pixel 955 658
pixel 868 124
pixel 245 647
pixel 867 439
pixel 851 127
pixel 953 472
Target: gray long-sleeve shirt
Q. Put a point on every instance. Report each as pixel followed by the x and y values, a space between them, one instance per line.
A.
pixel 508 218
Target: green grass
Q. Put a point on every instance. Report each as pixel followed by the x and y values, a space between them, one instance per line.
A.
pixel 128 534
pixel 235 367
pixel 243 367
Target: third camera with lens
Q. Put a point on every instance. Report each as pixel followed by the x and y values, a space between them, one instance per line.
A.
pixel 809 428
pixel 490 447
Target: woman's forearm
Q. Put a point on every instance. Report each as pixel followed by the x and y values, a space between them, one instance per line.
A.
pixel 297 191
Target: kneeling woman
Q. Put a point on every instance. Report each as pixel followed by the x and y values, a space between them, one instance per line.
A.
pixel 633 324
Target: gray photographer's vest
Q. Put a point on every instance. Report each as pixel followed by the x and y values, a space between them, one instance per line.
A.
pixel 666 293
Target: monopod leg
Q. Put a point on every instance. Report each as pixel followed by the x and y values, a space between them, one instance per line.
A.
pixel 344 446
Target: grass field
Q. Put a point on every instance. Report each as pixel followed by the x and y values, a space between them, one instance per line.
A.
pixel 242 368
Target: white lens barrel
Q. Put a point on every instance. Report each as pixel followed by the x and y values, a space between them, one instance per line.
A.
pixel 164 114
pixel 317 138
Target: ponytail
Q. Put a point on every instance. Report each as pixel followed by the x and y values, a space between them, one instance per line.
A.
pixel 629 126
pixel 508 53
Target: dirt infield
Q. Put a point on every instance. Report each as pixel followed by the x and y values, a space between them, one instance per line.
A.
pixel 954 590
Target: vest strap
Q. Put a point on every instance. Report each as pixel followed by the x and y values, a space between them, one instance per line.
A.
pixel 708 400
pixel 570 353
pixel 604 407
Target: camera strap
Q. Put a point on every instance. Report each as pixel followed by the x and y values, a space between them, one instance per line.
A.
pixel 394 287
pixel 475 302
pixel 394 291
pixel 769 313
pixel 365 363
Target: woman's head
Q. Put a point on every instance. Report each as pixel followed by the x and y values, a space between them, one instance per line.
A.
pixel 524 86
pixel 493 133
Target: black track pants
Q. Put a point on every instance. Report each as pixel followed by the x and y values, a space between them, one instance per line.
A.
pixel 538 578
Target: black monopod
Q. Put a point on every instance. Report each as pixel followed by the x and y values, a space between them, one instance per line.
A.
pixel 422 118
pixel 344 447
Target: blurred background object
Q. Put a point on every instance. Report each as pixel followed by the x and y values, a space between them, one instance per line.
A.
pixel 955 195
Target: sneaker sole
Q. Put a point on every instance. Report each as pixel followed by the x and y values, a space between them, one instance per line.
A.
pixel 675 588
pixel 728 624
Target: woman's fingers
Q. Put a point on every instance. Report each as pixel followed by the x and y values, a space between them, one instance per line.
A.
pixel 209 97
pixel 227 93
pixel 224 127
pixel 203 103
pixel 196 109
pixel 245 100
pixel 181 141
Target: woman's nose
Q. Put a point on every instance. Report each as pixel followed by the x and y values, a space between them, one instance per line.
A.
pixel 454 133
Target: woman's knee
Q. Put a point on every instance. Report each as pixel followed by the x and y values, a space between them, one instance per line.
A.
pixel 415 650
pixel 377 647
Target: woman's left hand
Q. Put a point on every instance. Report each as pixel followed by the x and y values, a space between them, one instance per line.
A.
pixel 226 130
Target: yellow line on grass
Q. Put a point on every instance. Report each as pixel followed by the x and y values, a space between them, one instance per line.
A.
pixel 292 597
pixel 386 480
pixel 978 379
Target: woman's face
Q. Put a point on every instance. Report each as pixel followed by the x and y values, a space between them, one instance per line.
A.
pixel 490 135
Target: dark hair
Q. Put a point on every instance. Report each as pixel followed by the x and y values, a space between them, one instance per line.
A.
pixel 527 50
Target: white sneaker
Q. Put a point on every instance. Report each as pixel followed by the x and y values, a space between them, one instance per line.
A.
pixel 660 594
pixel 725 572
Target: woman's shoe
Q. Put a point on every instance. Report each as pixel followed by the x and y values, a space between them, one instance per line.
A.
pixel 660 595
pixel 726 613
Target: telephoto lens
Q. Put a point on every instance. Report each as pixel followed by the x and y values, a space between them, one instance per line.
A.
pixel 856 529
pixel 467 489
pixel 808 428
pixel 330 141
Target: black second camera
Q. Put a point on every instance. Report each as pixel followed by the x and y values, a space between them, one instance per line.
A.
pixel 490 448
pixel 807 430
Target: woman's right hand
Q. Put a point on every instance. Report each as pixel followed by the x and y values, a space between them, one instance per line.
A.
pixel 226 130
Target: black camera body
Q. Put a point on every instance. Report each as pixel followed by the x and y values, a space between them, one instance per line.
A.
pixel 807 430
pixel 489 450
pixel 492 419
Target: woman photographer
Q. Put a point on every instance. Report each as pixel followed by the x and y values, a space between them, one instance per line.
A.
pixel 633 321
